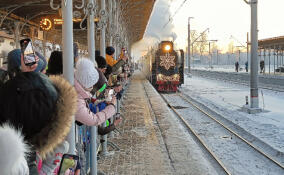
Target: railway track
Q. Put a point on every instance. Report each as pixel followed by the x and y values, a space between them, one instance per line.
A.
pixel 221 141
pixel 269 83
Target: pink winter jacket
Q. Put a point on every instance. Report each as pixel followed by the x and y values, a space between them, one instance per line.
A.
pixel 84 115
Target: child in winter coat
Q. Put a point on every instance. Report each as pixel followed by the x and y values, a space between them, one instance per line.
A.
pixel 86 76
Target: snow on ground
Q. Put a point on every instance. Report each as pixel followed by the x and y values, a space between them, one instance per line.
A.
pixel 227 99
pixel 230 68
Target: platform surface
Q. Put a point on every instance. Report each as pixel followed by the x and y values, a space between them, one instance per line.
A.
pixel 152 139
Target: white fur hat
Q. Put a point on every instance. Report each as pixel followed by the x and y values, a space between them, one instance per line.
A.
pixel 13 150
pixel 86 73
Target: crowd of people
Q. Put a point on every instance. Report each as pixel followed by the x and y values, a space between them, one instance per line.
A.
pixel 37 106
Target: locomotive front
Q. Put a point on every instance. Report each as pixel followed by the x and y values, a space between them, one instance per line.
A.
pixel 167 69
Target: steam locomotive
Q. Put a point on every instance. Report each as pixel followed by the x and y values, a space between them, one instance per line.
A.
pixel 164 67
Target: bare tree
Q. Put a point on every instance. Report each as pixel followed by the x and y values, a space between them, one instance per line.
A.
pixel 194 46
pixel 203 43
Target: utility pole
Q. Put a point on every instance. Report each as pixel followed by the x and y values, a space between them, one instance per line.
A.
pixel 240 52
pixel 188 47
pixel 254 101
pixel 247 46
pixel 239 56
pixel 210 55
pixel 217 57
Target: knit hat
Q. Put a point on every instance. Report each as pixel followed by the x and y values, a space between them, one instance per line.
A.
pixel 14 60
pixel 110 50
pixel 101 62
pixel 86 73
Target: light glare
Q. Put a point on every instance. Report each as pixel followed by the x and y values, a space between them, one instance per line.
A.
pixel 167 47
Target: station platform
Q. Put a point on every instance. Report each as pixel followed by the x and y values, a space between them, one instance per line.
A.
pixel 152 139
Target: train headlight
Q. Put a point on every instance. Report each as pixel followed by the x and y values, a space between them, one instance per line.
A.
pixel 159 77
pixel 167 47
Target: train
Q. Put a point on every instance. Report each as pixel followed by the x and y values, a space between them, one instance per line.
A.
pixel 164 67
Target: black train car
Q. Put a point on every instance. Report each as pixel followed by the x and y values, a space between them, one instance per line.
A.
pixel 166 67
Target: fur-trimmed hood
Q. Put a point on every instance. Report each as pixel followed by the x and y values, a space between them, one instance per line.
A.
pixel 42 107
pixel 54 133
pixel 13 151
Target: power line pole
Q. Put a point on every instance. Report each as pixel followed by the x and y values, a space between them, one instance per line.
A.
pixel 210 55
pixel 254 101
pixel 254 57
pixel 188 47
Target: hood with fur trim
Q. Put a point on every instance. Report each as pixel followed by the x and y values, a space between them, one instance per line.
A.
pixel 54 133
pixel 42 107
pixel 13 151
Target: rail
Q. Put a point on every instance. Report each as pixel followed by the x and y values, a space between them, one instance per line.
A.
pixel 224 126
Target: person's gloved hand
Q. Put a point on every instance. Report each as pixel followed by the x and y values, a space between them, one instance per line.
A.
pixel 117 121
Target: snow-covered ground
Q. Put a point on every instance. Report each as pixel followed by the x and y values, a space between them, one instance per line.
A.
pixel 231 68
pixel 227 99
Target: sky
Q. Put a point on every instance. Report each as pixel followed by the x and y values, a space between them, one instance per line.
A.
pixel 225 18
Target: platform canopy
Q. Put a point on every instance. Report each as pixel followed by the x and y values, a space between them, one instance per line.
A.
pixel 134 14
pixel 271 43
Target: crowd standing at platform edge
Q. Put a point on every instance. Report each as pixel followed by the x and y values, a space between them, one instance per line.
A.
pixel 37 105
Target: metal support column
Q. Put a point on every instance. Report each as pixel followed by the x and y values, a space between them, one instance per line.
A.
pixel 102 39
pixel 110 23
pixel 188 47
pixel 282 58
pixel 274 59
pixel 269 59
pixel 68 61
pixel 103 53
pixel 209 56
pixel 277 54
pixel 44 44
pixel 264 56
pixel 91 51
pixel 117 31
pixel 247 47
pixel 91 32
pixel 17 34
pixel 254 101
pixel 240 57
